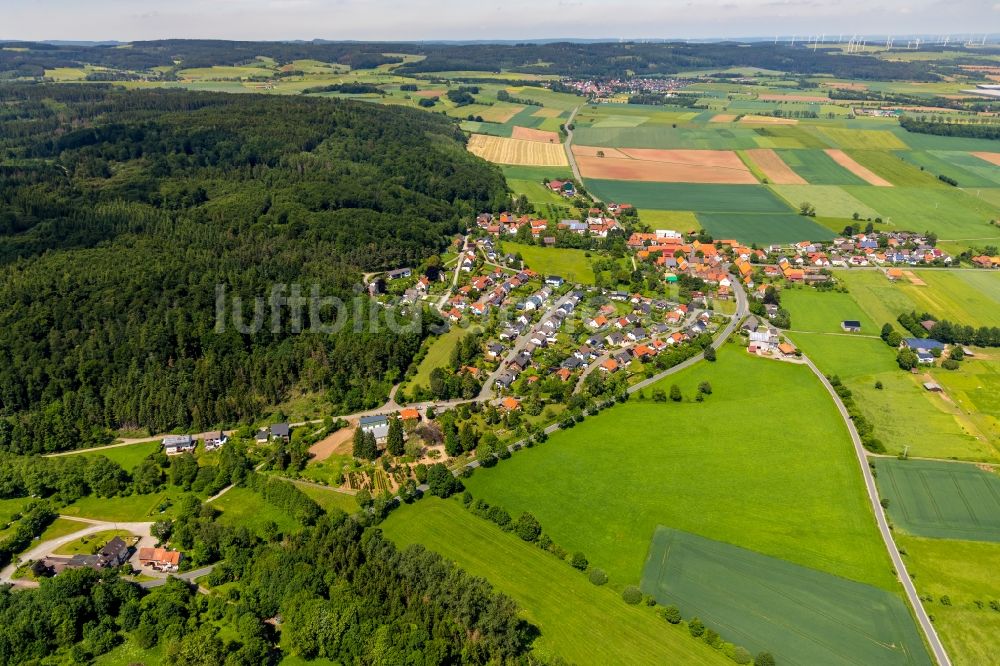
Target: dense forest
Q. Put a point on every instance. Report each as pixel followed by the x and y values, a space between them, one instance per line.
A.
pixel 575 59
pixel 122 212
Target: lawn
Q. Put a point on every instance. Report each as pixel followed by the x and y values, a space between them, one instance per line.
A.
pixel 720 468
pixel 89 544
pixel 579 621
pixel 679 220
pixel 764 228
pixel 690 196
pixel 129 456
pixel 438 355
pixel 822 312
pixel 571 265
pixel 242 507
pixel 964 571
pixel 134 508
pixel 818 168
pixel 60 527
pixel 829 200
pixel 943 500
pixel 800 615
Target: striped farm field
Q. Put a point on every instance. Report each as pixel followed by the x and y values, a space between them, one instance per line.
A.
pixel 764 229
pixel 767 120
pixel 546 112
pixel 800 615
pixel 698 197
pixel 865 174
pixel 969 171
pixel 862 139
pixel 894 169
pixel 665 166
pixel 771 165
pixel 723 118
pixel 532 134
pixel 499 113
pixel 818 168
pixel 829 200
pixel 502 150
pixel 944 500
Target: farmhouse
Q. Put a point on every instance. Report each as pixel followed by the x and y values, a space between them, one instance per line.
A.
pixel 377 425
pixel 398 274
pixel 922 344
pixel 851 325
pixel 160 559
pixel 177 444
pixel 216 442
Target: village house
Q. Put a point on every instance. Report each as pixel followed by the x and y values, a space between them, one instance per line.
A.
pixel 176 444
pixel 160 559
pixel 377 425
pixel 216 442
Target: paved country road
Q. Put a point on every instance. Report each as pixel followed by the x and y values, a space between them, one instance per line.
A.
pixel 883 525
pixel 568 147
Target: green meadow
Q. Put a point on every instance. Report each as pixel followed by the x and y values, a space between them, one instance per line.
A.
pixel 829 200
pixel 818 168
pixel 721 468
pixel 763 228
pixel 579 621
pixel 572 265
pixel 958 577
pixel 699 197
pixel 242 507
pixel 438 355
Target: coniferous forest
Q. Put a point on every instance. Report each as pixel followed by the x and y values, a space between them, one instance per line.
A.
pixel 121 212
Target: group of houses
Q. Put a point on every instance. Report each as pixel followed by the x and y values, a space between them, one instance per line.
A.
pixel 487 291
pixel 598 222
pixel 177 444
pixel 113 554
pixel 378 424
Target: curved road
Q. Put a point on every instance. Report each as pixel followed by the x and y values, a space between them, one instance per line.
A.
pixel 883 525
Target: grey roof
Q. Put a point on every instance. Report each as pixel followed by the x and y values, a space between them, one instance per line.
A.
pixel 372 421
pixel 177 440
pixel 280 430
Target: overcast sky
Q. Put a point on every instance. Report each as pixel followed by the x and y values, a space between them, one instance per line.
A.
pixel 485 19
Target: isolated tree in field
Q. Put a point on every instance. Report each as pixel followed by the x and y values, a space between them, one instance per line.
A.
pixel 527 527
pixel 394 440
pixel 807 209
pixel 705 388
pixel 696 627
pixel 579 561
pixel 675 393
pixel 764 659
pixel 710 353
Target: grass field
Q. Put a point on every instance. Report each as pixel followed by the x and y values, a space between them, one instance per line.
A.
pixel 962 570
pixel 943 500
pixel 537 174
pixel 135 508
pixel 895 170
pixel 903 413
pixel 719 468
pixel 242 507
pixel 128 456
pixel 61 527
pixel 829 200
pixel 684 196
pixel 330 499
pixel 678 220
pixel 438 355
pixel 764 229
pixel 818 168
pixel 87 545
pixel 967 297
pixel 580 622
pixel 571 265
pixel 861 139
pixel 935 163
pixel 800 615
pixel 951 213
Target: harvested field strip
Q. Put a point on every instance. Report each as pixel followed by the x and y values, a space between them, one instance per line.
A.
pixel 531 134
pixel 592 151
pixel 499 113
pixel 723 118
pixel 767 120
pixel 794 98
pixel 992 158
pixel 862 139
pixel 846 161
pixel 771 164
pixel 502 150
pixel 945 500
pixel 546 112
pixel 669 166
pixel 801 615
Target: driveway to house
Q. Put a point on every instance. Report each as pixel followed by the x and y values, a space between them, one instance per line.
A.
pixel 883 525
pixel 45 548
pixel 454 278
pixel 487 391
pixel 186 576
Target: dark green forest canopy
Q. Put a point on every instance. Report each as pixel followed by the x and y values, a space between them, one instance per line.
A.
pixel 121 211
pixel 562 58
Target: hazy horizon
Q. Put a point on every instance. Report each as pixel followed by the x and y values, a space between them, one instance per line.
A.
pixel 449 20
